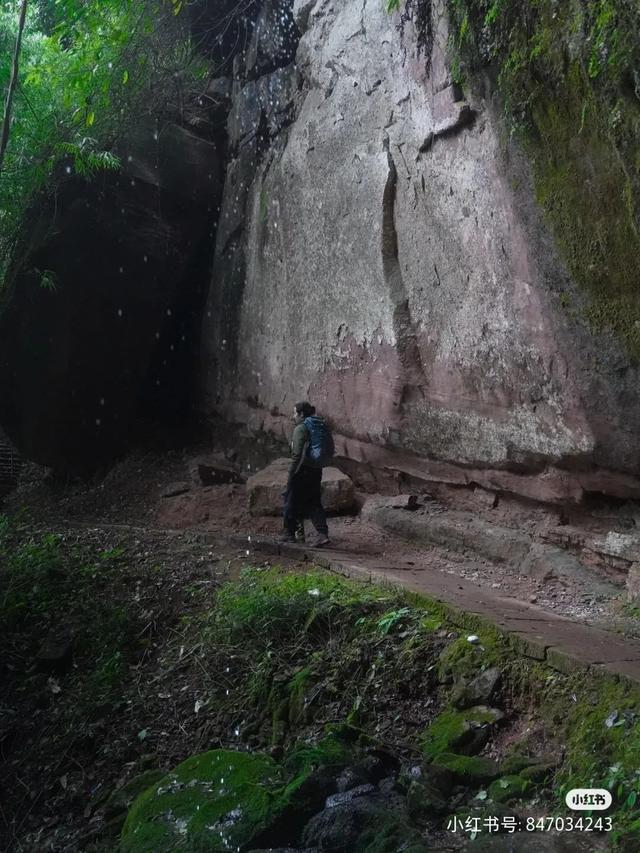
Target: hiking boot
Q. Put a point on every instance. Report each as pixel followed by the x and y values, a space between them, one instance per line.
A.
pixel 287 537
pixel 320 541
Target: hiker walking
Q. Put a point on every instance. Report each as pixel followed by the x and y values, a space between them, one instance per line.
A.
pixel 311 449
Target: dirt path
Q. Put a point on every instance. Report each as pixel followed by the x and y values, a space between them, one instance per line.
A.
pixel 563 619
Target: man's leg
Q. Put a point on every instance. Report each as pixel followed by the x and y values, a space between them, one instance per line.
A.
pixel 290 517
pixel 316 512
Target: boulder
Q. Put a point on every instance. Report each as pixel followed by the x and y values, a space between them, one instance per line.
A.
pixel 424 801
pixel 350 778
pixel 478 691
pixel 219 800
pixel 462 732
pixel 355 824
pixel 508 788
pixel 265 490
pixel 121 799
pixel 215 470
pixel 174 489
pixel 467 769
pixel 633 583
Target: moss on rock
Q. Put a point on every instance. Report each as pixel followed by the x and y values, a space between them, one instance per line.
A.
pixel 463 732
pixel 464 660
pixel 216 801
pixel 567 74
pixel 467 769
pixel 508 788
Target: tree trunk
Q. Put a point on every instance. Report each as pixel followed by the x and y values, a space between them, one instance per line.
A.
pixel 13 82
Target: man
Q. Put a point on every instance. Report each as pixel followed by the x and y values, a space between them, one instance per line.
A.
pixel 303 495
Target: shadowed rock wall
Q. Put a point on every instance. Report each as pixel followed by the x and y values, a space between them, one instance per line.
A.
pixel 380 252
pixel 103 303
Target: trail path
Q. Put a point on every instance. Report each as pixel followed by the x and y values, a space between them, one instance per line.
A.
pixel 564 623
pixel 565 644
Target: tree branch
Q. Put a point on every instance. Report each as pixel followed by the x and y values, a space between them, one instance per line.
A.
pixel 6 122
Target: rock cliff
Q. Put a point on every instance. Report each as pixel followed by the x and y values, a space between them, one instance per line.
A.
pixel 381 252
pixel 461 305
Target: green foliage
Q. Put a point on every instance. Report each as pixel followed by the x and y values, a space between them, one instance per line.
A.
pixel 391 619
pixel 393 6
pixel 603 745
pixel 85 70
pixel 31 574
pixel 44 581
pixel 279 605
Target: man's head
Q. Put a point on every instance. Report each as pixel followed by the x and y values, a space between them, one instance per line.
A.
pixel 303 410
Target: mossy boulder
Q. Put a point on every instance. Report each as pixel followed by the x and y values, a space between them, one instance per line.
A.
pixel 122 798
pixel 509 788
pixel 540 772
pixel 462 660
pixel 469 770
pixel 477 691
pixel 424 801
pixel 462 732
pixel 217 801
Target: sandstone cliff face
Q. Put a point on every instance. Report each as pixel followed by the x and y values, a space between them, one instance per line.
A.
pixel 379 252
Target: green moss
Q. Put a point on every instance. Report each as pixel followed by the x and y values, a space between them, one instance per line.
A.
pixel 568 78
pixel 331 751
pixel 215 801
pixel 599 724
pixel 509 788
pixel 452 730
pixel 469 769
pixel 462 659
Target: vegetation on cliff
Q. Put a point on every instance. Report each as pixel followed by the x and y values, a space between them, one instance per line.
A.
pixel 86 71
pixel 569 79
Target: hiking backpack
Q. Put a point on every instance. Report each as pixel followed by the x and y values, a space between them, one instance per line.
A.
pixel 320 447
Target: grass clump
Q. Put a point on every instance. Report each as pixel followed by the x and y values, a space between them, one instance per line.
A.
pixel 46 583
pixel 314 648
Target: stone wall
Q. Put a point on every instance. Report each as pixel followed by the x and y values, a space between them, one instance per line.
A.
pixel 381 253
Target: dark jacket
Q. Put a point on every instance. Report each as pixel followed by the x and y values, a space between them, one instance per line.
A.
pixel 298 448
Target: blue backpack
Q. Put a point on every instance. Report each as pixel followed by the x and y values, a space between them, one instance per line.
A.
pixel 320 448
